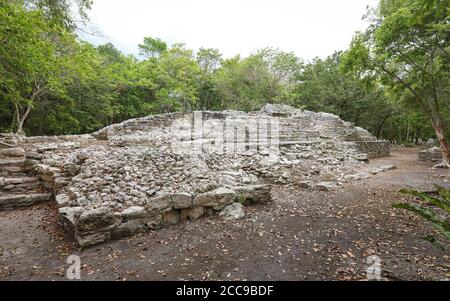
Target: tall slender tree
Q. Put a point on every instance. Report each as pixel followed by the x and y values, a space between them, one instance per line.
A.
pixel 407 47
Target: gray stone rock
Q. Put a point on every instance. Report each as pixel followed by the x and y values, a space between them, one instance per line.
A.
pixel 83 156
pixel 154 222
pixel 181 200
pixel 171 218
pixel 97 220
pixel 362 157
pixel 158 204
pixel 87 240
pixel 217 198
pixel 326 186
pixel 254 194
pixel 132 213
pixel 62 200
pixel 304 184
pixel 233 212
pixel 22 200
pixel 72 169
pixel 12 152
pixel 128 228
pixel 388 167
pixel 21 180
pixel 69 216
pixel 169 201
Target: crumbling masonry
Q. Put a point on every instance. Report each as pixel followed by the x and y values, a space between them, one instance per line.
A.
pixel 127 177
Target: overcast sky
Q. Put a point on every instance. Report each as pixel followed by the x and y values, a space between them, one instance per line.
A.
pixel 309 28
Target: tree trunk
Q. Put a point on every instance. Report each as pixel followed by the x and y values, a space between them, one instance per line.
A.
pixel 380 126
pixel 444 144
pixel 21 121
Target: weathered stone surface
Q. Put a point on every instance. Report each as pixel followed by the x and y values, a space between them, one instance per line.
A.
pixel 388 167
pixel 374 149
pixel 433 154
pixel 154 222
pixel 217 198
pixel 326 186
pixel 97 220
pixel 62 200
pixel 171 218
pixel 136 178
pixel 87 240
pixel 72 169
pixel 12 152
pixel 362 157
pixel 181 200
pixel 135 212
pixel 69 216
pixel 254 194
pixel 158 204
pixel 304 184
pixel 192 213
pixel 127 228
pixel 17 201
pixel 233 212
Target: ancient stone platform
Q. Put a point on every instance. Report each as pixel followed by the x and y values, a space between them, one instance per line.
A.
pixel 138 175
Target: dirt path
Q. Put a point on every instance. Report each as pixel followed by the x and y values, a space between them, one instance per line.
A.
pixel 302 235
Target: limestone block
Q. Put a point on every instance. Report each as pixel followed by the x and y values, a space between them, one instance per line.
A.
pixel 217 198
pixel 69 216
pixel 233 212
pixel 181 200
pixel 127 228
pixel 12 152
pixel 254 194
pixel 62 200
pixel 169 201
pixel 154 222
pixel 171 218
pixel 92 239
pixel 326 186
pixel 132 213
pixel 72 169
pixel 97 220
pixel 304 184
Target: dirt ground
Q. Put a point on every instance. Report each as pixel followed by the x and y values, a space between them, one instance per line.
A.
pixel 302 235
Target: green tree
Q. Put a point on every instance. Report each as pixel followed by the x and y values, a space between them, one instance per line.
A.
pixel 175 75
pixel 323 86
pixel 209 61
pixel 406 47
pixel 152 47
pixel 62 12
pixel 32 59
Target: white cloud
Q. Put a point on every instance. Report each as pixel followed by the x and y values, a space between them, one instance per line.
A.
pixel 307 27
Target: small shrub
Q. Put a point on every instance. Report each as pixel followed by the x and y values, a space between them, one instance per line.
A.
pixel 242 200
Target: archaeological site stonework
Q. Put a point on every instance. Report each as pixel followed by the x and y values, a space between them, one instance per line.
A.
pixel 156 171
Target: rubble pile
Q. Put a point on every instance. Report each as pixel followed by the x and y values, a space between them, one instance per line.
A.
pixel 155 171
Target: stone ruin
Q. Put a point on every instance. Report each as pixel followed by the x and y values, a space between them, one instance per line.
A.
pixel 127 177
pixel 433 154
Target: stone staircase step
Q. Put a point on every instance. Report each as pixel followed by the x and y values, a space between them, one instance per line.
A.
pixel 19 184
pixel 12 171
pixel 12 152
pixel 11 167
pixel 13 201
pixel 12 162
